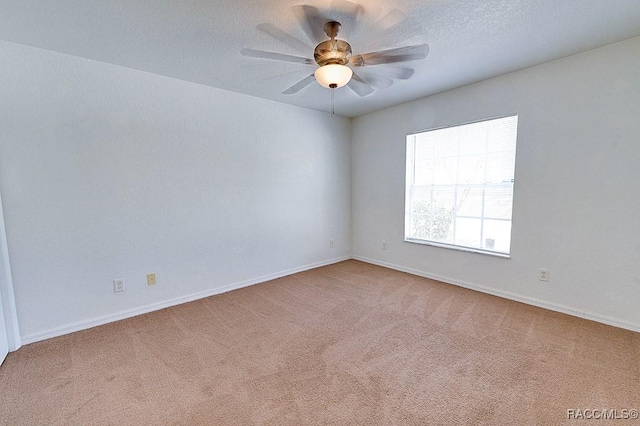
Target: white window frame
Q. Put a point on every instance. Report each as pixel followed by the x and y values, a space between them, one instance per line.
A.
pixel 410 181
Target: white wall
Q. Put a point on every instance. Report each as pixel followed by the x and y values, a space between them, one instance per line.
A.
pixel 9 320
pixel 108 172
pixel 577 204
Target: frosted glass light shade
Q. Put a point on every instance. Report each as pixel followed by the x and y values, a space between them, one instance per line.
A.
pixel 333 75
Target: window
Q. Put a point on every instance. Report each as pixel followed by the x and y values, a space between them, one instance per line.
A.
pixel 459 187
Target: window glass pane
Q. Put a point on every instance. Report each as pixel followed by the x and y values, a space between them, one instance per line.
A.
pixel 446 142
pixel 426 140
pixel 442 210
pixel 498 203
pixel 423 168
pixel 472 169
pixel 444 198
pixel 498 233
pixel 469 201
pixel 473 139
pixel 420 222
pixel 502 134
pixel 420 193
pixel 445 171
pixel 460 185
pixel 420 225
pixel 468 232
pixel 500 167
pixel 431 214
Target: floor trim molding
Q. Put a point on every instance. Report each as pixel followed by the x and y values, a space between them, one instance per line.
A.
pixel 508 295
pixel 94 322
pixel 129 313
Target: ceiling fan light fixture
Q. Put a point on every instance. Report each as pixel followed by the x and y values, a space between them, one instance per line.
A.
pixel 333 76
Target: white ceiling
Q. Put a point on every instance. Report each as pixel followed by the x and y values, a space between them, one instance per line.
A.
pixel 200 41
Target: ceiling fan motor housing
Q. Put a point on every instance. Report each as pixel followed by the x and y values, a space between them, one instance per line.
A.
pixel 332 51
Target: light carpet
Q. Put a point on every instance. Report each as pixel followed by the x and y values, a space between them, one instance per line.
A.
pixel 345 344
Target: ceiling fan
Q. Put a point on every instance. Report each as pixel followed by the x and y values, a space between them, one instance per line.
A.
pixel 334 57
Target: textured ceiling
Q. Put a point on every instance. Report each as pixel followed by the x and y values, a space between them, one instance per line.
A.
pixel 200 41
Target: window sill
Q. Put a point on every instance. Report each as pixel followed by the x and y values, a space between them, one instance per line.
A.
pixel 458 248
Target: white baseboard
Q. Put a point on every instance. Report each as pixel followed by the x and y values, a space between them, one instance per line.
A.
pixel 508 295
pixel 94 322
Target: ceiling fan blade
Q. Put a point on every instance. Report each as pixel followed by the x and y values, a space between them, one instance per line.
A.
pixel 389 56
pixel 263 54
pixel 347 13
pixel 347 7
pixel 358 85
pixel 397 27
pixel 398 73
pixel 285 38
pixel 377 81
pixel 310 21
pixel 300 85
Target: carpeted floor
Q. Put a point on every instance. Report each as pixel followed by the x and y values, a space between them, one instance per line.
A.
pixel 349 343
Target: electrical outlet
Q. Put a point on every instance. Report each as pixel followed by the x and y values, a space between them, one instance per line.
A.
pixel 151 279
pixel 118 285
pixel 384 245
pixel 543 275
pixel 330 243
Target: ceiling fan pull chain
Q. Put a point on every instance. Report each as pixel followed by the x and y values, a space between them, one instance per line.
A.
pixel 332 107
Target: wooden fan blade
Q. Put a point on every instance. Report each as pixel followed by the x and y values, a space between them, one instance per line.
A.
pixel 389 56
pixel 300 85
pixel 284 37
pixel 358 85
pixel 310 22
pixel 263 54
